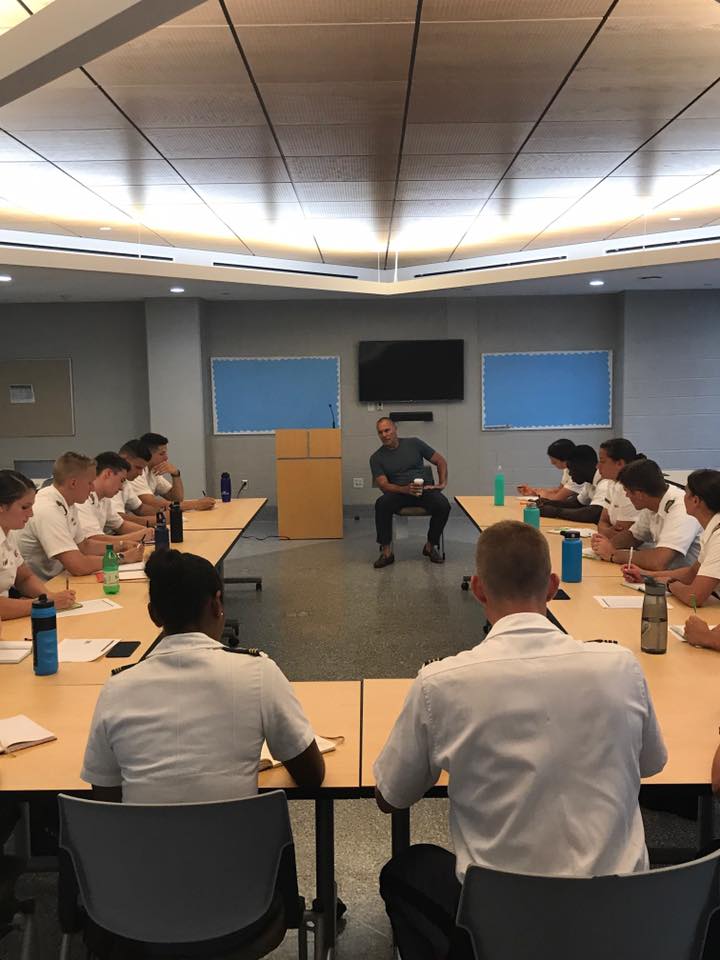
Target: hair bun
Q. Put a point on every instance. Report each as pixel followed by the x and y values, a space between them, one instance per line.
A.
pixel 163 561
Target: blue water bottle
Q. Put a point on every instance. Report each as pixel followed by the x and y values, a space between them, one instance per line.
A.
pixel 44 636
pixel 162 534
pixel 531 515
pixel 225 488
pixel 571 557
pixel 499 487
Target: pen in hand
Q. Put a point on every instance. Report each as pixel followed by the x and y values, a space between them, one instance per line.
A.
pixel 693 601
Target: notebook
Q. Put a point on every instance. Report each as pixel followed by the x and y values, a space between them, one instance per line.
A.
pixel 19 732
pixel 325 745
pixel 679 631
pixel 13 651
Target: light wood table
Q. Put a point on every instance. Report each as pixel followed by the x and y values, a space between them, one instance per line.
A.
pixel 235 515
pixel 483 512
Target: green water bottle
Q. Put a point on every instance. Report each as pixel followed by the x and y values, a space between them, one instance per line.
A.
pixel 499 488
pixel 531 514
pixel 111 570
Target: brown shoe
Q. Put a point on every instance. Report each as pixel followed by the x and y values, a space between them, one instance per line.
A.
pixel 384 561
pixel 433 554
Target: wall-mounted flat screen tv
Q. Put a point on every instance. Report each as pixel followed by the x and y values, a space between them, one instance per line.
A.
pixel 410 371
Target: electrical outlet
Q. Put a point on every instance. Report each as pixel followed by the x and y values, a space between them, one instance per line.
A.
pixel 358 483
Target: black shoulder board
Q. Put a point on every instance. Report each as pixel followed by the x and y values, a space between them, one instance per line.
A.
pixel 250 651
pixel 125 666
pixel 668 505
pixel 601 641
pixel 427 663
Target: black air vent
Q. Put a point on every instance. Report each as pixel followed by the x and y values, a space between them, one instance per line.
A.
pixel 659 246
pixel 306 273
pixel 491 266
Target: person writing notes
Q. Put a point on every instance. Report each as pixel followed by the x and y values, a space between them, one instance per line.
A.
pixel 98 516
pixel 395 466
pixel 160 483
pixel 672 538
pixel 187 723
pixel 618 512
pixel 559 453
pixel 528 716
pixel 584 506
pixel 53 539
pixel 694 584
pixel 17 495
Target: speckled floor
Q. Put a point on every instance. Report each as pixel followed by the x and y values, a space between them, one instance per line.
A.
pixel 325 613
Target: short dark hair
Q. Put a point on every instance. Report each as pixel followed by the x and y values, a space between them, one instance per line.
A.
pixel 561 449
pixel 513 561
pixel 705 484
pixel 153 440
pixel 180 586
pixel 109 460
pixel 645 476
pixel 582 463
pixel 136 448
pixel 13 485
pixel 381 419
pixel 618 448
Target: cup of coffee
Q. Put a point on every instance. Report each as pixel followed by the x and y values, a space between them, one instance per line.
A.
pixel 418 483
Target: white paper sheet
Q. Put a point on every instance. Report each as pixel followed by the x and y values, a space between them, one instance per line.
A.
pixel 84 651
pixel 91 606
pixel 623 603
pixel 139 565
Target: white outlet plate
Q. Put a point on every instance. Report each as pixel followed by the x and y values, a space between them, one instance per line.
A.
pixel 358 483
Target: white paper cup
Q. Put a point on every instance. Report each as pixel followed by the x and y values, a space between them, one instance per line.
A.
pixel 418 482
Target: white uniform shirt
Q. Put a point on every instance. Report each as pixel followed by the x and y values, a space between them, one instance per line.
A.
pixel 98 514
pixel 617 503
pixel 188 723
pixel 670 527
pixel 709 558
pixel 10 560
pixel 126 500
pixel 594 493
pixel 545 740
pixel 149 482
pixel 53 528
pixel 566 481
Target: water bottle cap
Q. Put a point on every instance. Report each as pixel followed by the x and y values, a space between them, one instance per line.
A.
pixel 571 534
pixel 225 474
pixel 42 602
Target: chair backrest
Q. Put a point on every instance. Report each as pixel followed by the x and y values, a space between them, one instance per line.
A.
pixel 178 872
pixel 659 915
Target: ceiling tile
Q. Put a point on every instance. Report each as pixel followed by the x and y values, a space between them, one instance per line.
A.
pixel 189 105
pixel 364 51
pixel 11 150
pixel 244 12
pixel 340 102
pixel 445 190
pixel 449 138
pixel 342 168
pixel 346 190
pixel 649 163
pixel 512 9
pixel 656 188
pixel 249 170
pixel 147 194
pixel 465 167
pixel 585 136
pixel 214 142
pixel 358 236
pixel 410 209
pixel 246 217
pixel 565 164
pixel 231 193
pixel 349 209
pixel 520 188
pixel 276 249
pixel 207 14
pixel 11 13
pixel 688 134
pixel 62 106
pixel 68 145
pixel 337 140
pixel 490 247
pixel 519 209
pixel 122 172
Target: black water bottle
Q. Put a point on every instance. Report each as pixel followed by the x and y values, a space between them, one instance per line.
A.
pixel 176 523
pixel 162 534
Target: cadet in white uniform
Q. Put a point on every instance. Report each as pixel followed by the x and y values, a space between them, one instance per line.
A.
pixel 126 502
pixel 618 512
pixel 98 517
pixel 53 539
pixel 663 523
pixel 17 495
pixel 187 723
pixel 701 580
pixel 559 453
pixel 585 506
pixel 526 717
pixel 160 483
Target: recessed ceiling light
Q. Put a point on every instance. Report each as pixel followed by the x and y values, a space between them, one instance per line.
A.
pixel 5 278
pixel 597 283
pixel 674 218
pixel 106 228
pixel 177 289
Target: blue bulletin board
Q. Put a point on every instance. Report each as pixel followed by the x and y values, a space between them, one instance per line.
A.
pixel 547 391
pixel 265 394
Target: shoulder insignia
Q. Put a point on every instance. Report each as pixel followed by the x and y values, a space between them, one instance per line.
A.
pixel 601 641
pixel 62 506
pixel 249 651
pixel 125 666
pixel 668 505
pixel 426 663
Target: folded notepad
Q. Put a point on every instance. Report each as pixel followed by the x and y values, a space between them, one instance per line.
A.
pixel 13 651
pixel 19 732
pixel 325 745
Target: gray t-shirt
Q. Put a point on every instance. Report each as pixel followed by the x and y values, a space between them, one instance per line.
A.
pixel 403 464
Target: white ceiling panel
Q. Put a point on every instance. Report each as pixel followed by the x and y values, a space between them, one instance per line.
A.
pixel 214 142
pixel 449 138
pixel 21 220
pixel 11 150
pixel 346 190
pixel 466 167
pixel 299 140
pixel 249 170
pixel 188 219
pixel 531 209
pixel 688 134
pixel 565 164
pixel 207 14
pixel 11 13
pixel 584 136
pixel 330 52
pixel 189 105
pixel 513 9
pixel 411 209
pixel 70 145
pixel 122 172
pixel 340 102
pixel 522 189
pixel 445 190
pixel 143 194
pixel 358 210
pixel 250 212
pixel 657 188
pixel 413 235
pixel 356 237
pixel 169 55
pixel 707 107
pixel 342 168
pixel 70 103
pixel 649 163
pixel 301 249
pixel 231 193
pixel 288 12
pixel 458 66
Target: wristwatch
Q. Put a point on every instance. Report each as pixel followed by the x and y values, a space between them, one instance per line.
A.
pixel 175 475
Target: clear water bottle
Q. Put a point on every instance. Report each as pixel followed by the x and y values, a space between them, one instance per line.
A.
pixel 111 570
pixel 44 636
pixel 571 557
pixel 531 515
pixel 499 487
pixel 162 534
pixel 225 487
pixel 653 629
pixel 176 523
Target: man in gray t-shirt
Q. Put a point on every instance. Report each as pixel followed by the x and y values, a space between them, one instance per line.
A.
pixel 395 466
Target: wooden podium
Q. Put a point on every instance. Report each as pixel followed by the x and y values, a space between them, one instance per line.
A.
pixel 309 484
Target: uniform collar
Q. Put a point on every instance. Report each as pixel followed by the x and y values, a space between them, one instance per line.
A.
pixel 179 642
pixel 3 537
pixel 670 495
pixel 522 623
pixel 58 497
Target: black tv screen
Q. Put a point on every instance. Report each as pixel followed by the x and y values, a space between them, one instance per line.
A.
pixel 410 370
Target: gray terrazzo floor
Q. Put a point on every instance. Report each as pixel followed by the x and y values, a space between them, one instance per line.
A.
pixel 325 613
